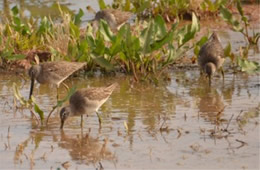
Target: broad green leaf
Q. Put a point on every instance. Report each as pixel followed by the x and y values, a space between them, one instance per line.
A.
pixel 248 66
pixel 77 17
pixel 227 16
pixel 16 57
pixel 202 41
pixel 116 45
pixel 148 38
pixel 69 94
pixel 159 22
pixel 160 43
pixel 39 111
pixel 18 95
pixel 17 21
pixel 199 44
pixel 102 4
pixel 227 50
pixel 100 47
pixel 15 10
pixel 195 24
pixel 239 7
pixel 145 5
pixel 105 31
pixel 74 30
pixel 127 5
pixel 104 63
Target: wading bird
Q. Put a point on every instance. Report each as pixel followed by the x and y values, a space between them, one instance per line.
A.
pixel 211 56
pixel 86 101
pixel 52 73
pixel 114 18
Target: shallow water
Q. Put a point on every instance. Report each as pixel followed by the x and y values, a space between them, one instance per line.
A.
pixel 179 124
pixel 40 8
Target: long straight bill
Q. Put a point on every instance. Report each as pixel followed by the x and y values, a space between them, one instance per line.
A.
pixel 31 88
pixel 209 80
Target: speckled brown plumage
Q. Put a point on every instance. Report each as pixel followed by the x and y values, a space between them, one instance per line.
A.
pixel 86 101
pixel 211 55
pixel 114 18
pixel 53 72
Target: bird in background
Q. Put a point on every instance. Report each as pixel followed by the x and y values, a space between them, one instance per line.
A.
pixel 52 73
pixel 86 101
pixel 211 56
pixel 114 17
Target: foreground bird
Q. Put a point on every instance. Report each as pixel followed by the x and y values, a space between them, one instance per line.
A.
pixel 52 72
pixel 114 18
pixel 86 101
pixel 211 56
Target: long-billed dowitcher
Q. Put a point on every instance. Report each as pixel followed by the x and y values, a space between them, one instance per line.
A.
pixel 86 101
pixel 211 56
pixel 115 18
pixel 52 72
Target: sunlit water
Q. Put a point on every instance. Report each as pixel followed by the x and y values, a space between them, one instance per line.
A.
pixel 180 124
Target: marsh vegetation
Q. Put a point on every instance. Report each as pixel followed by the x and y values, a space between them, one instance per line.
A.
pixel 164 115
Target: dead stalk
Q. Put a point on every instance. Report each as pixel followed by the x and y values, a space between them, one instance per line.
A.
pixel 50 115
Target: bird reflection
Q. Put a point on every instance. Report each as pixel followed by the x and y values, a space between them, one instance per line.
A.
pixel 210 104
pixel 86 149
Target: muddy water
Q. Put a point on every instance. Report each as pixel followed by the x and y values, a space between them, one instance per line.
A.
pixel 180 124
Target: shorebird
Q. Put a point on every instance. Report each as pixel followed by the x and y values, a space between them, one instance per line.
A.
pixel 211 56
pixel 86 101
pixel 52 73
pixel 114 18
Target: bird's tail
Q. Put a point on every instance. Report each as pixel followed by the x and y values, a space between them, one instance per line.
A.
pixel 112 87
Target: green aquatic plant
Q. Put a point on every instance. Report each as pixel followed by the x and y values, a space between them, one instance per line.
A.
pixel 239 25
pixel 28 104
pixel 169 9
pixel 34 108
pixel 241 61
pixel 213 6
pixel 60 102
pixel 144 51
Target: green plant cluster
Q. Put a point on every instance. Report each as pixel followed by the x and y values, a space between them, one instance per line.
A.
pixel 169 9
pixel 144 50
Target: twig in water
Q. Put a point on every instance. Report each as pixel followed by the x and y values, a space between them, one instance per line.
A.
pixel 49 115
pixel 242 143
pixel 226 129
pixel 239 115
pixel 32 112
pixel 8 132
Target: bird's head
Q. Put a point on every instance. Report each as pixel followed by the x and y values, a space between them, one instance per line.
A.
pixel 214 37
pixel 210 69
pixel 64 114
pixel 33 72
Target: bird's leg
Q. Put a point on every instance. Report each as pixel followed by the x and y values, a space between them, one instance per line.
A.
pixel 99 118
pixel 67 87
pixel 57 97
pixel 81 121
pixel 222 73
pixel 209 77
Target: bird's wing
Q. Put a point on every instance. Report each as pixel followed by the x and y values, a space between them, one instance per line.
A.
pixel 60 70
pixel 100 93
pixel 121 16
